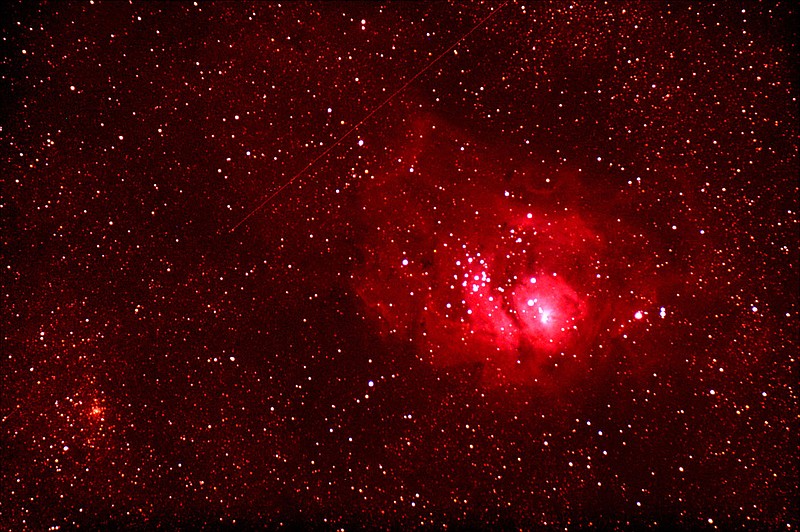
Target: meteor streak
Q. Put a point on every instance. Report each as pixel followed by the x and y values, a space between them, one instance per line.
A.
pixel 338 141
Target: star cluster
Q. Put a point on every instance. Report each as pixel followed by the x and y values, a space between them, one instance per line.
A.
pixel 502 266
pixel 456 264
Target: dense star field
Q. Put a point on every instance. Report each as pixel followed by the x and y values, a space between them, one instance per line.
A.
pixel 487 264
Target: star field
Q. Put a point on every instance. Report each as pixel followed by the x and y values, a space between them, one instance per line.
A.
pixel 490 265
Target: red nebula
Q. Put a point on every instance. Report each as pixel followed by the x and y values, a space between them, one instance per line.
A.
pixel 474 267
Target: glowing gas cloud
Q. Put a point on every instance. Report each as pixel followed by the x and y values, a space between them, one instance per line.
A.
pixel 527 276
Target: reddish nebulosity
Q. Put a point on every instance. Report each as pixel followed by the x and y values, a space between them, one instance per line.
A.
pixel 478 259
pixel 188 185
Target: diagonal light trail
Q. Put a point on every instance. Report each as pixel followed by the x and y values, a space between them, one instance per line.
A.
pixel 338 141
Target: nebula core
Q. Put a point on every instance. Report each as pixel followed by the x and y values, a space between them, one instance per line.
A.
pixel 499 267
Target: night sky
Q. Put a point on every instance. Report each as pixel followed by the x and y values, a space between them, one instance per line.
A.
pixel 487 265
